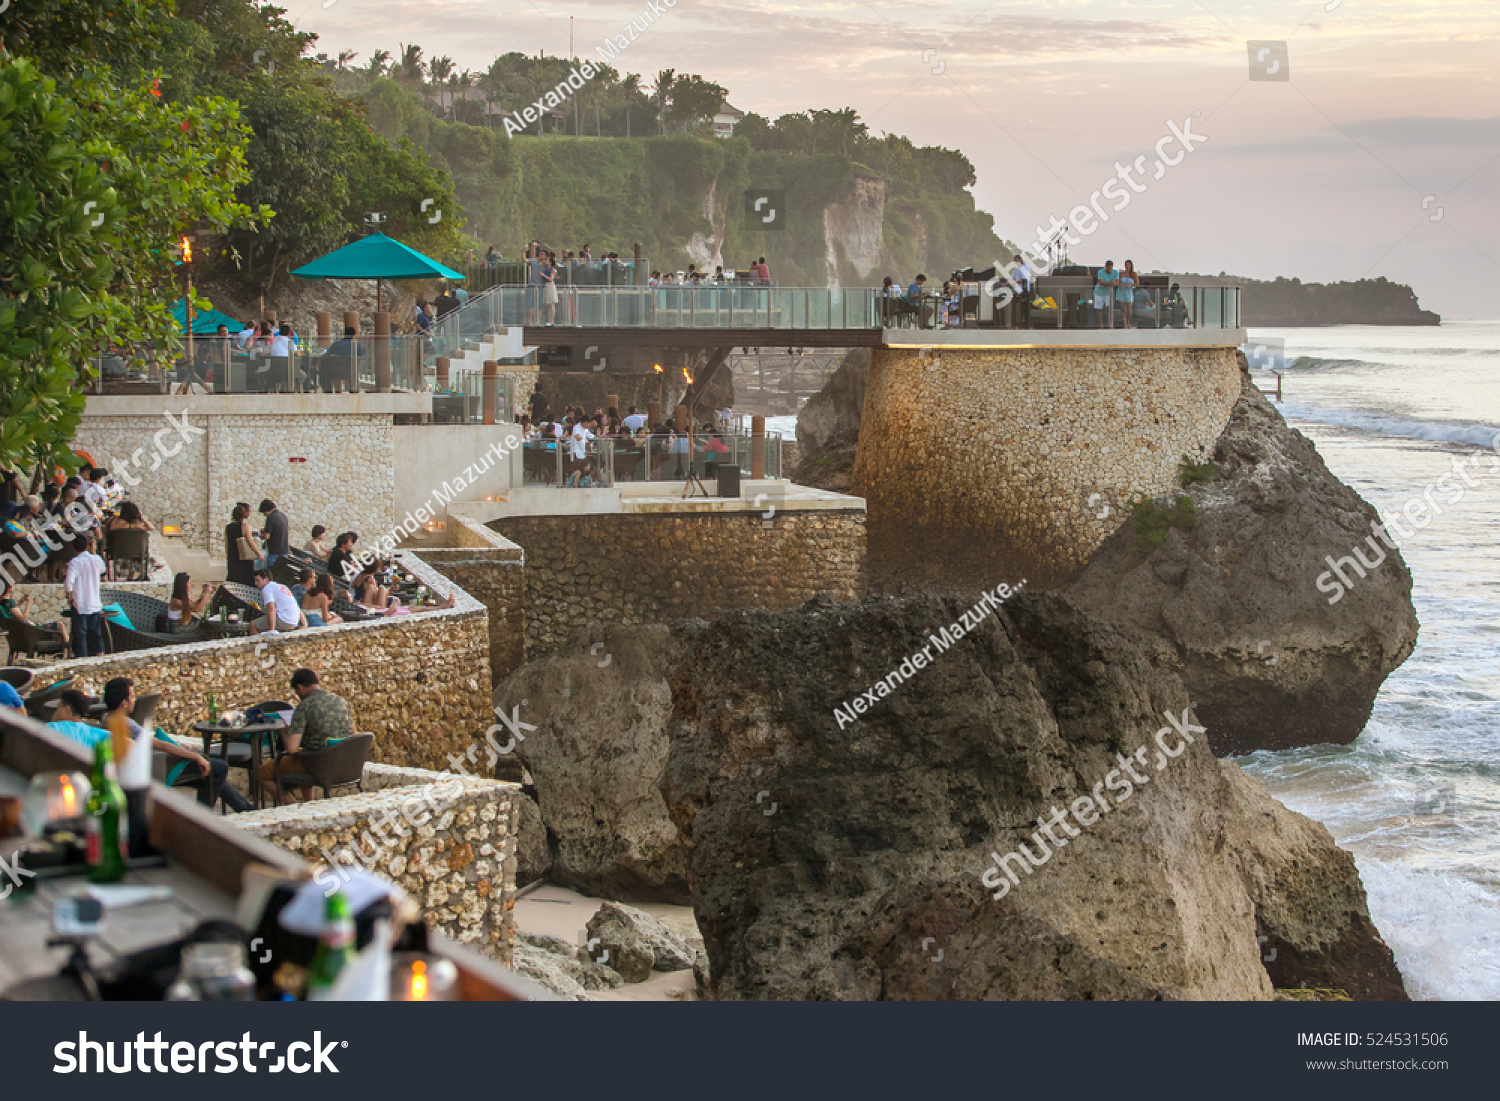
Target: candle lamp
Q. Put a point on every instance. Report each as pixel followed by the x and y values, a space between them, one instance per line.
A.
pixel 54 798
pixel 418 977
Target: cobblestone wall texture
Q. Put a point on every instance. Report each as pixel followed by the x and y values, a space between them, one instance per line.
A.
pixel 491 569
pixel 988 465
pixel 583 572
pixel 168 487
pixel 448 841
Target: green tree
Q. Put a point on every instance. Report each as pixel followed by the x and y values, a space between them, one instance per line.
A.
pixel 100 182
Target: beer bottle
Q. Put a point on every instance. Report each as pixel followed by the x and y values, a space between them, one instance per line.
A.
pixel 335 948
pixel 213 708
pixel 107 828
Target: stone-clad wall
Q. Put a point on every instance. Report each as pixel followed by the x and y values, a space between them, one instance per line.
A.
pixel 419 682
pixel 988 465
pixel 346 484
pixel 168 487
pixel 491 569
pixel 449 841
pixel 583 572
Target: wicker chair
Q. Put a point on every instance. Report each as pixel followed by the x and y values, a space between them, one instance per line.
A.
pixel 36 703
pixel 142 609
pixel 128 547
pixel 18 678
pixel 334 766
pixel 29 640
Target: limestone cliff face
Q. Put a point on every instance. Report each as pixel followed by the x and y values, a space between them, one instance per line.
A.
pixel 856 225
pixel 1235 604
pixel 831 859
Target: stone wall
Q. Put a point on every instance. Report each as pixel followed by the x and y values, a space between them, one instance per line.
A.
pixel 987 465
pixel 419 682
pixel 491 569
pixel 448 841
pixel 169 488
pixel 583 572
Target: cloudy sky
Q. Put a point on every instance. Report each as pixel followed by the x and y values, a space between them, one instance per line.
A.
pixel 1380 155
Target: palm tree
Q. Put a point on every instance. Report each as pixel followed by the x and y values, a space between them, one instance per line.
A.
pixel 411 69
pixel 631 86
pixel 458 88
pixel 345 56
pixel 661 96
pixel 380 61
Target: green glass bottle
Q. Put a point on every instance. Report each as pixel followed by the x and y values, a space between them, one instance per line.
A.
pixel 107 824
pixel 213 707
pixel 335 948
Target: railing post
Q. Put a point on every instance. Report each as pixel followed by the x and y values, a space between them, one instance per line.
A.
pixel 382 353
pixel 325 328
pixel 491 391
pixel 653 414
pixel 757 447
pixel 442 373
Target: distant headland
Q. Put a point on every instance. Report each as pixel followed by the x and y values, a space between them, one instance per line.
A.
pixel 1285 303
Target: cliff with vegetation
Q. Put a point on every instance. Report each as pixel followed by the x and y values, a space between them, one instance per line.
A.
pixel 1290 302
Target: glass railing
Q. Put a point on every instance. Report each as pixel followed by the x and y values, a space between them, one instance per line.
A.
pixel 625 272
pixel 620 460
pixel 712 306
pixel 462 400
pixel 365 365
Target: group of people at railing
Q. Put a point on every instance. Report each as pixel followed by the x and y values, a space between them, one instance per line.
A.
pixel 595 449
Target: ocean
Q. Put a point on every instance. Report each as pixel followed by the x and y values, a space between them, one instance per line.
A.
pixel 1416 798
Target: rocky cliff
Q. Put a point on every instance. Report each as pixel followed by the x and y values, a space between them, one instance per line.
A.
pixel 874 858
pixel 1273 657
pixel 828 426
pixel 1286 303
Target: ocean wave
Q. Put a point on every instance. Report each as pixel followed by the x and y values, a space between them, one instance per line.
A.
pixel 1318 363
pixel 1480 435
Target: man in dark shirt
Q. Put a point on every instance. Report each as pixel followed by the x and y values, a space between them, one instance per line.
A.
pixel 320 718
pixel 277 532
pixel 343 554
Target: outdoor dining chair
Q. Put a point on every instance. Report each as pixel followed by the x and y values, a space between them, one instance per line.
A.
pixel 128 547
pixel 337 765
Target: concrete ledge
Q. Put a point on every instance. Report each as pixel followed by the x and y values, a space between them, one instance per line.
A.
pixel 252 405
pixel 655 498
pixel 1064 338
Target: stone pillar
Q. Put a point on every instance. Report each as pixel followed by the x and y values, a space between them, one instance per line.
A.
pixel 270 315
pixel 653 414
pixel 442 372
pixel 757 446
pixel 351 320
pixel 382 353
pixel 491 392
pixel 325 328
pixel 680 416
pixel 611 401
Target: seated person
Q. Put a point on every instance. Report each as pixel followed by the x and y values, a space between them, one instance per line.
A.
pixel 207 773
pixel 182 609
pixel 317 604
pixel 10 610
pixel 72 717
pixel 9 697
pixel 321 717
pixel 317 546
pixel 369 591
pixel 281 611
pixel 304 585
pixel 129 518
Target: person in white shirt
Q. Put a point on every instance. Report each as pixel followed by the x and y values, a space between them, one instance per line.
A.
pixel 82 586
pixel 578 450
pixel 634 420
pixel 282 610
pixel 283 342
pixel 245 336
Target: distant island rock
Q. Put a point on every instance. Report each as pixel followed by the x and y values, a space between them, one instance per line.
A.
pixel 1288 303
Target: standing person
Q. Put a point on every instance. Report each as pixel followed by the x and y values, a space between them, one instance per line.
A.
pixel 533 284
pixel 635 421
pixel 1125 291
pixel 282 610
pixel 237 566
pixel 1104 289
pixel 82 586
pixel 762 271
pixel 539 405
pixel 578 449
pixel 321 717
pixel 276 533
pixel 548 275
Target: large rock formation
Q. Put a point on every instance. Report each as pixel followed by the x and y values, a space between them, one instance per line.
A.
pixel 828 426
pixel 596 756
pixel 1244 603
pixel 836 859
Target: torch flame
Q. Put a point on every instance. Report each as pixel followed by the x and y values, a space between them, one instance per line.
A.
pixel 419 981
pixel 69 798
pixel 187 249
pixel 657 368
pixel 687 376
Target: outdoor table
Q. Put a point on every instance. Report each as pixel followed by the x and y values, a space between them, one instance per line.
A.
pixel 213 628
pixel 252 733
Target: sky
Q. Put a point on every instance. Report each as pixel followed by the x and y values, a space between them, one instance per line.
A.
pixel 1357 138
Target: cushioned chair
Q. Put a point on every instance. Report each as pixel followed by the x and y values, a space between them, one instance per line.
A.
pixel 148 619
pixel 129 549
pixel 18 678
pixel 235 597
pixel 335 766
pixel 144 711
pixel 36 703
pixel 30 641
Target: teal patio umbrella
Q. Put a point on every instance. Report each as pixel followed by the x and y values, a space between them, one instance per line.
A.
pixel 376 257
pixel 205 322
